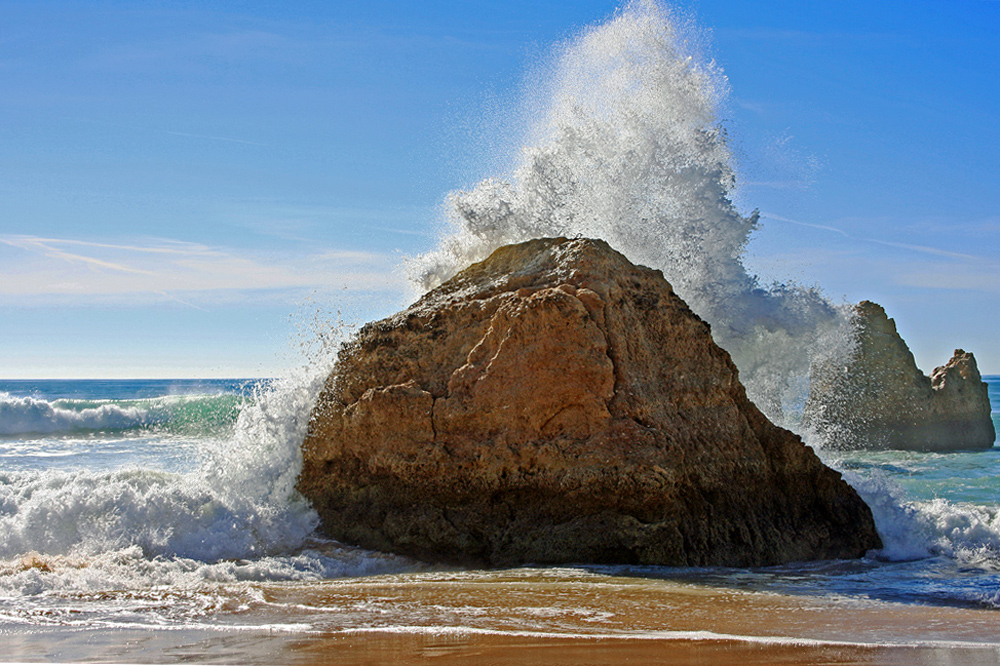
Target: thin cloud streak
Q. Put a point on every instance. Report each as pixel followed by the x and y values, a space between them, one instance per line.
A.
pixel 45 246
pixel 927 250
pixel 182 272
pixel 950 270
pixel 950 277
pixel 183 247
pixel 777 184
pixel 182 302
pixel 772 216
pixel 903 246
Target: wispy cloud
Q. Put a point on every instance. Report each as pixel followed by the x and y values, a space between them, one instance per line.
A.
pixel 170 297
pixel 298 222
pixel 777 184
pixel 167 246
pixel 926 250
pixel 760 108
pixel 961 270
pixel 824 227
pixel 193 51
pixel 986 227
pixel 156 130
pixel 38 267
pixel 287 44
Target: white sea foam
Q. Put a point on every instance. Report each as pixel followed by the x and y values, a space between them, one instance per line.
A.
pixel 915 529
pixel 131 568
pixel 236 516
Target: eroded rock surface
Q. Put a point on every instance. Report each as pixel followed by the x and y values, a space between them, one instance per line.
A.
pixel 555 404
pixel 877 398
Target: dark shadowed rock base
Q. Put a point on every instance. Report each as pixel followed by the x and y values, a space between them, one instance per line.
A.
pixel 556 404
pixel 879 399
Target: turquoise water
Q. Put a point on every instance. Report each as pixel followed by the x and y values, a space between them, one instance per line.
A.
pixel 963 477
pixel 108 424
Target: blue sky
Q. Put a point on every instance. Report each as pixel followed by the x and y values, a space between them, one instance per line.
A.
pixel 186 188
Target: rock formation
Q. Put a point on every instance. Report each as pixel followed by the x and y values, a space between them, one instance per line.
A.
pixel 877 398
pixel 555 403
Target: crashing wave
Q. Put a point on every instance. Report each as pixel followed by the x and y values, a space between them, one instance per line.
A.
pixel 628 147
pixel 25 416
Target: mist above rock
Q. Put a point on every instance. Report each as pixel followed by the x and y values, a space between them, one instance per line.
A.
pixel 556 403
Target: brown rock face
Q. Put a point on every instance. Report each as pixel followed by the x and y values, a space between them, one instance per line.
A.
pixel 879 399
pixel 555 404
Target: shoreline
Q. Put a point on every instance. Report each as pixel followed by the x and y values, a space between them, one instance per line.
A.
pixel 528 616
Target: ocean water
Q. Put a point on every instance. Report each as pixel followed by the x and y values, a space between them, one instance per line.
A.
pixel 137 502
pixel 144 506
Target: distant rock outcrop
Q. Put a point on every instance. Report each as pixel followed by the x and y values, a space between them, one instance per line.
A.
pixel 556 404
pixel 877 398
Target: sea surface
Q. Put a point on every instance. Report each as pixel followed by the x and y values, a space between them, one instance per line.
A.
pixel 143 506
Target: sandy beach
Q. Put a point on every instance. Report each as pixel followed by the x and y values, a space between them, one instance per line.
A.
pixel 529 616
pixel 381 648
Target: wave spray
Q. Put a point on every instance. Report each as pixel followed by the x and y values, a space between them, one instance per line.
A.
pixel 626 145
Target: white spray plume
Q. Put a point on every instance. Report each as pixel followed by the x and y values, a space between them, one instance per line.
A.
pixel 627 146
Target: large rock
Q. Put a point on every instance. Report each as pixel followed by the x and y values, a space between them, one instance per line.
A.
pixel 877 398
pixel 556 403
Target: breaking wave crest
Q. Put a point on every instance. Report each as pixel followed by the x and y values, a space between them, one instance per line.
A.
pixel 916 529
pixel 194 414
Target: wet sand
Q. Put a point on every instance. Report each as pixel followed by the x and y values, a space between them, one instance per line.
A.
pixel 217 647
pixel 547 616
pixel 610 651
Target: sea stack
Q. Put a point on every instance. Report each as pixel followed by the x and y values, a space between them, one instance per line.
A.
pixel 877 398
pixel 555 404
